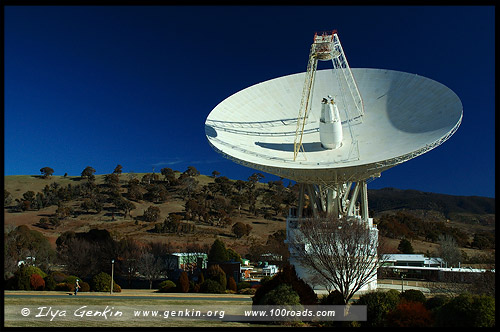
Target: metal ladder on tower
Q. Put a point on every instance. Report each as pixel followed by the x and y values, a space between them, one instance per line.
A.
pixel 305 102
pixel 327 47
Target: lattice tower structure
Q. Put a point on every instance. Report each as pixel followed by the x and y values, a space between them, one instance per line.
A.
pixel 326 46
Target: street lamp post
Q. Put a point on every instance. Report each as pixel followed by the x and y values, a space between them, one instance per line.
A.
pixel 112 271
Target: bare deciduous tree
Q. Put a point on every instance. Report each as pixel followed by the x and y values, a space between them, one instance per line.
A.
pixel 150 266
pixel 129 251
pixel 153 260
pixel 189 186
pixel 343 252
pixel 449 250
pixel 86 254
pixel 80 257
pixel 276 244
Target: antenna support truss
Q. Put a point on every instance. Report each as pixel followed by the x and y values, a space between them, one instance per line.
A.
pixel 326 46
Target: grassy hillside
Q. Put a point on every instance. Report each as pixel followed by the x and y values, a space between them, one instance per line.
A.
pixel 131 225
pixel 468 215
pixel 448 205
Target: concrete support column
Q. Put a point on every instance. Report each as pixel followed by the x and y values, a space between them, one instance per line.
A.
pixel 364 201
pixel 354 197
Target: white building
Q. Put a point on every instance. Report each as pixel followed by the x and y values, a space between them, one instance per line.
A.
pixel 27 261
pixel 270 270
pixel 413 260
pixel 419 267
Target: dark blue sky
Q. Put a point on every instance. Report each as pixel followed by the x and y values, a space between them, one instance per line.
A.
pixel 101 86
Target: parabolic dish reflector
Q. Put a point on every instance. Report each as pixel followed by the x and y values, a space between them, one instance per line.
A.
pixel 405 115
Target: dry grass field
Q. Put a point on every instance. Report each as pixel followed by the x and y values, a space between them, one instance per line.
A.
pixel 124 302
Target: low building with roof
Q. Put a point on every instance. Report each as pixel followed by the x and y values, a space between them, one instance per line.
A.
pixel 419 267
pixel 412 260
pixel 187 261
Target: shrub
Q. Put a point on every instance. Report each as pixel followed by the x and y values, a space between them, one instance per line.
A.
pixel 334 298
pixel 240 229
pixel 37 282
pixel 484 311
pixel 249 291
pixel 102 282
pixel 281 295
pixel 436 302
pixel 11 283
pixel 467 310
pixel 194 287
pixel 151 214
pixel 166 286
pixel 23 275
pixel 116 288
pixel 231 284
pixel 409 314
pixel 211 286
pixel 183 283
pixel 215 273
pixel 50 283
pixel 85 287
pixel 243 285
pixel 287 276
pixel 392 297
pixel 378 305
pixel 64 287
pixel 265 279
pixel 7 198
pixel 71 279
pixel 37 270
pixel 22 280
pixel 456 313
pixel 59 276
pixel 413 295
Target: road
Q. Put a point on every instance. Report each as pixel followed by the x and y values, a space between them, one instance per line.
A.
pixel 134 294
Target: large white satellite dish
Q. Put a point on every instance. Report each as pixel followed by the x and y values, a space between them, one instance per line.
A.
pixel 404 115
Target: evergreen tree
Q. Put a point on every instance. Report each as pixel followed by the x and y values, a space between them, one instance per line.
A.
pixel 405 247
pixel 183 283
pixel 215 273
pixel 231 284
pixel 218 252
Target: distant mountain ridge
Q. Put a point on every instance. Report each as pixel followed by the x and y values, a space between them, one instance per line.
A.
pixel 385 199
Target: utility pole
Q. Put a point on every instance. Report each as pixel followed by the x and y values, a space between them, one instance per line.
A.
pixel 112 271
